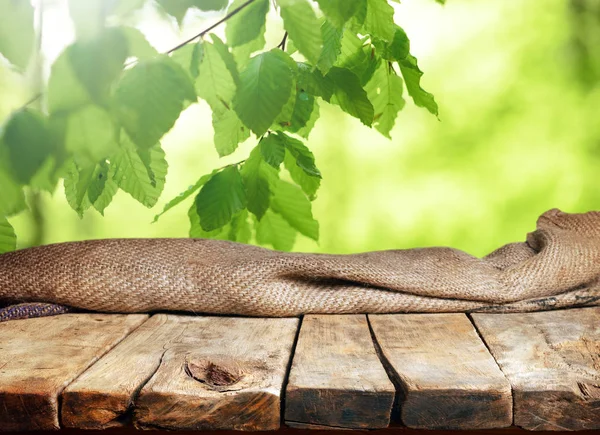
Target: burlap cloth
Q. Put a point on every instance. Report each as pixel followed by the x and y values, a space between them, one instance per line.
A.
pixel 557 267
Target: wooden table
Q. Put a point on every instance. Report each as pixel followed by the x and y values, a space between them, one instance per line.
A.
pixel 534 371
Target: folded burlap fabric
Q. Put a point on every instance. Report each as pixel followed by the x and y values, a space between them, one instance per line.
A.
pixel 557 267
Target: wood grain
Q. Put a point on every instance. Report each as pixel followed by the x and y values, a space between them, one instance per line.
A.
pixel 40 357
pixel 446 377
pixel 217 373
pixel 336 379
pixel 552 360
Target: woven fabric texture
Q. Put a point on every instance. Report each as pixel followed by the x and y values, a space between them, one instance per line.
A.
pixel 557 267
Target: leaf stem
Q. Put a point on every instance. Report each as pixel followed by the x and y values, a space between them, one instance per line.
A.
pixel 218 23
pixel 282 43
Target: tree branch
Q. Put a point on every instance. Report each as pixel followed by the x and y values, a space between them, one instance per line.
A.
pixel 282 43
pixel 205 31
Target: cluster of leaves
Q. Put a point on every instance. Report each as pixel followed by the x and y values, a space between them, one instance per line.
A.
pixel 111 98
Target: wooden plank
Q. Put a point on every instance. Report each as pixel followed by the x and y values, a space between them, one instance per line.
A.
pixel 185 372
pixel 447 379
pixel 336 379
pixel 40 357
pixel 552 360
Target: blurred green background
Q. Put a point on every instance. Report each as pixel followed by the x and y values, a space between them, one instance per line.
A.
pixel 519 133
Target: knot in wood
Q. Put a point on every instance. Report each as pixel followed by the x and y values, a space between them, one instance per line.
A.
pixel 219 375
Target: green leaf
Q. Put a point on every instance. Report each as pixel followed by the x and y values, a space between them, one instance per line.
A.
pixel 8 238
pixel 304 157
pixel 227 57
pixel 285 116
pixel 12 199
pixel 16 31
pixel 293 205
pixel 196 230
pixel 215 83
pixel 65 91
pixel 108 192
pixel 28 142
pixel 178 8
pixel 398 49
pixel 90 134
pixel 385 93
pixel 123 8
pixel 186 194
pixel 137 44
pixel 133 175
pixel 412 77
pixel 98 62
pixel 303 27
pixel 150 97
pixel 189 57
pixel 339 11
pixel 310 123
pixel 303 109
pixel 274 230
pixel 379 21
pixel 350 96
pixel 308 183
pixel 311 81
pixel 77 181
pixel 220 198
pixel 248 24
pixel 272 149
pixel 352 54
pixel 229 131
pixel 258 176
pixel 265 87
pixel 46 178
pixel 332 46
pixel 240 228
pixel 98 181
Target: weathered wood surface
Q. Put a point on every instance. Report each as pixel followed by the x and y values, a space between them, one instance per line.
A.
pixel 183 372
pixel 446 377
pixel 40 357
pixel 336 379
pixel 552 360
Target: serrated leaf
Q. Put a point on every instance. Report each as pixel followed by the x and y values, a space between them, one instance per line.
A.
pixel 26 137
pixel 272 150
pixel 98 181
pixel 150 96
pixel 303 110
pixel 242 53
pixel 303 27
pixel 229 131
pixel 293 205
pixel 196 230
pixel 379 21
pixel 308 183
pixel 220 198
pixel 185 194
pixel 16 31
pixel 285 116
pixel 8 238
pixel 227 57
pixel 12 199
pixel 133 175
pixel 265 86
pixel 339 11
pixel 108 192
pixel 189 57
pixel 310 123
pixel 412 77
pixel 248 24
pixel 76 183
pixel 350 96
pixel 352 54
pixel 215 83
pixel 239 230
pixel 385 93
pixel 258 177
pixel 304 157
pixel 137 44
pixel 91 134
pixel 398 49
pixel 46 178
pixel 311 81
pixel 332 46
pixel 274 230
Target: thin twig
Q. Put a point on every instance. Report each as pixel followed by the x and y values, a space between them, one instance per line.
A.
pixel 204 32
pixel 282 43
